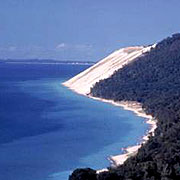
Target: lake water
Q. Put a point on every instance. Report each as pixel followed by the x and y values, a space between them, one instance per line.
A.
pixel 46 130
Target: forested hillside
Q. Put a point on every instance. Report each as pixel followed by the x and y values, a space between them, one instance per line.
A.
pixel 153 80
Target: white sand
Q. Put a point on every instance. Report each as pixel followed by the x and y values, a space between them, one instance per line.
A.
pixel 83 82
pixel 137 109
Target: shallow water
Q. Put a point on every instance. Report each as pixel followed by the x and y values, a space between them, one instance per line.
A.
pixel 47 130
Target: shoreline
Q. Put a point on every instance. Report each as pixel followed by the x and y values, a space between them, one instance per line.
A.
pixel 116 160
pixel 82 83
pixel 136 108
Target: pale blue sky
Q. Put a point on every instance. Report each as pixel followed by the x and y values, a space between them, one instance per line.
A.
pixel 82 29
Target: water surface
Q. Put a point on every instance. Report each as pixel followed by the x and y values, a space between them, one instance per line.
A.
pixel 47 130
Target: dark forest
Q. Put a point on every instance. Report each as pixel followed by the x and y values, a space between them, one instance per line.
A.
pixel 154 81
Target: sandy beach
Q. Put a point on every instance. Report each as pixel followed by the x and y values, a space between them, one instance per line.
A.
pixel 116 160
pixel 137 109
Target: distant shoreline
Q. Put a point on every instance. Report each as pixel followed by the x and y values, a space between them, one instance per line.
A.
pixel 43 62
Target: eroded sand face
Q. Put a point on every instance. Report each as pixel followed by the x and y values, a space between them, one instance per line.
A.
pixel 82 82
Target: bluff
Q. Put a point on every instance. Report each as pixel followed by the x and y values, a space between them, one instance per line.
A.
pixel 84 81
pixel 152 79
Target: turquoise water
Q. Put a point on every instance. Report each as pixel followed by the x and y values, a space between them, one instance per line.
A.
pixel 47 130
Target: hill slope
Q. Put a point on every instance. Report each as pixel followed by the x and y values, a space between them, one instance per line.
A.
pixel 104 68
pixel 154 81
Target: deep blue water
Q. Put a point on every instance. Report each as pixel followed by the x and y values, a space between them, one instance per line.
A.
pixel 46 130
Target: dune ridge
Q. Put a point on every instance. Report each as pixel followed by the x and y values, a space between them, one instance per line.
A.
pixel 103 69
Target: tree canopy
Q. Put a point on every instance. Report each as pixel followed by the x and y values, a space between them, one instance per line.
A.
pixel 154 81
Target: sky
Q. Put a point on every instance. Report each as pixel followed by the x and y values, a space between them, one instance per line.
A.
pixel 82 30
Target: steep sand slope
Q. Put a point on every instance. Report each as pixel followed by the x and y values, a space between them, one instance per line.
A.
pixel 82 82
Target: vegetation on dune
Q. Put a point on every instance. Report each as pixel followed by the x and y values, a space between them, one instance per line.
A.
pixel 154 81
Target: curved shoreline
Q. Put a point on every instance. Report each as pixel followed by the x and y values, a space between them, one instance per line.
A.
pixel 84 81
pixel 116 160
pixel 135 107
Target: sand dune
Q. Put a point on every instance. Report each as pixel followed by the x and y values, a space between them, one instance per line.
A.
pixel 104 68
